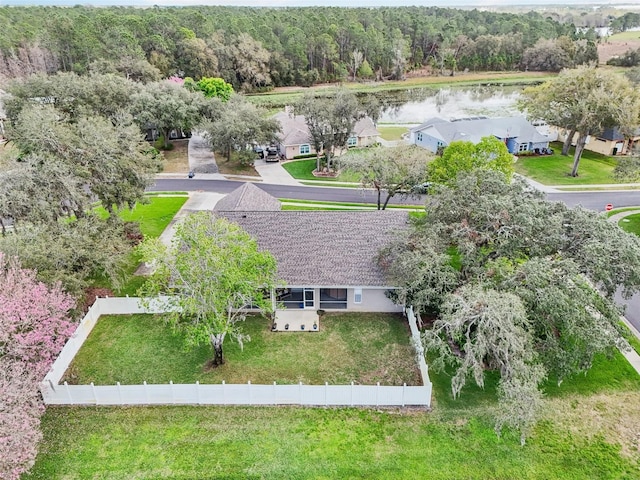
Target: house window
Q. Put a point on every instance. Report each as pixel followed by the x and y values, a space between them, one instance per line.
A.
pixel 352 141
pixel 357 295
pixel 305 149
pixel 333 298
pixel 439 144
pixel 419 137
pixel 523 147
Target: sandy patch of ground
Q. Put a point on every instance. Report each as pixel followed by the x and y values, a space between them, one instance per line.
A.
pixel 611 49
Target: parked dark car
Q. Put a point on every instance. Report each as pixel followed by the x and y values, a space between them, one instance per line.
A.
pixel 272 154
pixel 259 151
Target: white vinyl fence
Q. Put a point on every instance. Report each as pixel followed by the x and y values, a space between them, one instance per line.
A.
pixel 219 394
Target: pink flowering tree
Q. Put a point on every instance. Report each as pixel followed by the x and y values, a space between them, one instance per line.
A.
pixel 34 325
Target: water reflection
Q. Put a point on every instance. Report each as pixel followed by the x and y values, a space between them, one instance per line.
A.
pixel 418 104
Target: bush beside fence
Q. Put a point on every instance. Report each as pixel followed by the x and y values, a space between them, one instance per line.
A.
pixel 217 394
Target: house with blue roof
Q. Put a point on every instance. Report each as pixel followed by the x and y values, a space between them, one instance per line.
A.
pixel 516 132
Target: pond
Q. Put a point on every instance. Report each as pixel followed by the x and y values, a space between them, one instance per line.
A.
pixel 417 105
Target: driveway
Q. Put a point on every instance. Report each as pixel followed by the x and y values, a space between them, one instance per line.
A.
pixel 201 159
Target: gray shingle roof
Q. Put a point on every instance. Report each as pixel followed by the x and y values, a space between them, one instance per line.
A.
pixel 324 248
pixel 474 130
pixel 247 198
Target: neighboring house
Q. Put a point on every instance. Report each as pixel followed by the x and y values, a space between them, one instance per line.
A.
pixel 248 198
pixel 516 132
pixel 326 259
pixel 151 133
pixel 294 137
pixel 610 142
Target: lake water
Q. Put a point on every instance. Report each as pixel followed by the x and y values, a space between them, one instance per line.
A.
pixel 420 104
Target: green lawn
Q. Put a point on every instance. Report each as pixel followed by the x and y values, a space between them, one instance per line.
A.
pixel 301 170
pixel 588 431
pixel 348 347
pixel 392 133
pixel 628 35
pixel 555 169
pixel 153 218
pixel 302 443
pixel 631 223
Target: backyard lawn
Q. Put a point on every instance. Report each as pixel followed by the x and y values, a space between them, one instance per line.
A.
pixel 555 169
pixel 392 133
pixel 582 435
pixel 363 348
pixel 301 170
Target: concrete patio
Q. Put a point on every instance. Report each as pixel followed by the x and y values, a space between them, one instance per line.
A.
pixel 296 319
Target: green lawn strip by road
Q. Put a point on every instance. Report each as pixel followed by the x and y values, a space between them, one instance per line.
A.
pixel 631 223
pixel 330 184
pixel 301 170
pixel 348 347
pixel 345 204
pixel 392 133
pixel 163 194
pixel 234 443
pixel 620 210
pixel 153 218
pixel 555 169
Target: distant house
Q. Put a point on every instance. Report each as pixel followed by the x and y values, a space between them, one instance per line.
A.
pixel 610 142
pixel 294 137
pixel 326 259
pixel 516 132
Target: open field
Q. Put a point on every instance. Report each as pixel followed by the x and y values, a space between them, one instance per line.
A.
pixel 589 431
pixel 348 347
pixel 555 169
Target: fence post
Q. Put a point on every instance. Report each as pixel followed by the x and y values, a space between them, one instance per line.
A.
pixel 352 393
pixel 93 390
pixel 119 393
pixel 198 392
pixel 377 393
pixel 224 394
pixel 326 387
pixel 404 386
pixel 249 391
pixel 173 400
pixel 66 386
pixel 146 391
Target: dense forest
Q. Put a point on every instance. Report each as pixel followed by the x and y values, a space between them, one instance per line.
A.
pixel 258 48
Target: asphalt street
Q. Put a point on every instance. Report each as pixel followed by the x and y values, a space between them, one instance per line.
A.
pixel 595 200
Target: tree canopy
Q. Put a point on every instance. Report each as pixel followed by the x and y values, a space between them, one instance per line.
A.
pixel 517 284
pixel 213 271
pixel 585 101
pixel 396 171
pixel 461 156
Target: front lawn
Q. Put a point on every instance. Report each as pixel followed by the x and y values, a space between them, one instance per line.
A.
pixel 301 170
pixel 555 169
pixel 363 348
pixel 176 160
pixel 631 223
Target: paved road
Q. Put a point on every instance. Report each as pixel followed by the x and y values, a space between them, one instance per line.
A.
pixel 593 200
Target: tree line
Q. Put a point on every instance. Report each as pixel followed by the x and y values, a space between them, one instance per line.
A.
pixel 257 48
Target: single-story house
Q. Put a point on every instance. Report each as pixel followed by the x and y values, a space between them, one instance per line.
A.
pixel 610 142
pixel 326 259
pixel 516 132
pixel 294 137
